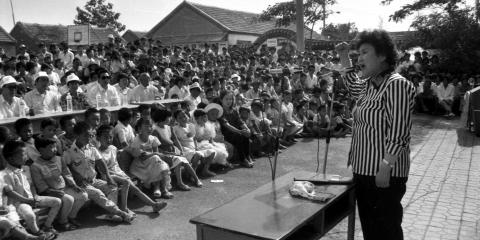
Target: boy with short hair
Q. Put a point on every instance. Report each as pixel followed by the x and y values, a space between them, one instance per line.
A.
pixel 24 129
pixel 66 124
pixel 82 159
pixel 105 117
pixel 48 128
pixel 17 189
pixel 52 177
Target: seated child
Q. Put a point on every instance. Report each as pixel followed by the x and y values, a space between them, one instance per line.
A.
pixel 48 129
pixel 82 159
pixel 259 117
pixel 92 118
pixel 123 134
pixel 213 128
pixel 147 164
pixel 205 139
pixel 4 137
pixel 17 188
pixel 67 123
pixel 105 117
pixel 109 154
pixel 52 177
pixel 168 147
pixel 185 132
pixel 12 229
pixel 342 128
pixel 24 129
pixel 256 137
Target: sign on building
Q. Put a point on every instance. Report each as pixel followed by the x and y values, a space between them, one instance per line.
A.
pixel 272 42
pixel 78 35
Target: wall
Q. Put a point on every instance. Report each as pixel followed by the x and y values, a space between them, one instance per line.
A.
pixel 9 48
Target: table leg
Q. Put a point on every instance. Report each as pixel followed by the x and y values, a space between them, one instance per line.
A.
pixel 351 225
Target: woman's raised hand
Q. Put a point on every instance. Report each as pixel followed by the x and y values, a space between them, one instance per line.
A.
pixel 342 47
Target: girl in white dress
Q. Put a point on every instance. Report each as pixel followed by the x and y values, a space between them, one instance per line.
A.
pixel 185 132
pixel 204 136
pixel 147 164
pixel 172 155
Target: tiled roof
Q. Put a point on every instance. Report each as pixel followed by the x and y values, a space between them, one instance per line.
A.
pixel 244 22
pixel 58 33
pixel 100 35
pixel 46 33
pixel 139 34
pixel 5 37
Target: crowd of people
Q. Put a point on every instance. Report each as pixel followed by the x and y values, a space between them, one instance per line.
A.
pixel 234 106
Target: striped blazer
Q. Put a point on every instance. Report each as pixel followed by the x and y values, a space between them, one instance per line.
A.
pixel 382 123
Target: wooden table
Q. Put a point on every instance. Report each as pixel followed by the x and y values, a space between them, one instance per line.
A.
pixel 270 212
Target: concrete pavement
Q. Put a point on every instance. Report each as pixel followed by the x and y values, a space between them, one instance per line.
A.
pixel 442 199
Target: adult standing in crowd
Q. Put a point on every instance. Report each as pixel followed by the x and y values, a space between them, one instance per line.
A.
pixel 380 152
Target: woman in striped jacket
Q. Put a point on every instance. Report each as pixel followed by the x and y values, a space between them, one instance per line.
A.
pixel 379 153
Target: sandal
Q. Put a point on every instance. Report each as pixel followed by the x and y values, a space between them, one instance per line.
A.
pixel 127 218
pixel 49 229
pixel 183 187
pixel 167 195
pixel 64 227
pixel 159 206
pixel 74 222
pixel 131 212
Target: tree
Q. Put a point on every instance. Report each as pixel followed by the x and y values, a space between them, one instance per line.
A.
pixel 341 31
pixel 452 28
pixel 100 14
pixel 285 13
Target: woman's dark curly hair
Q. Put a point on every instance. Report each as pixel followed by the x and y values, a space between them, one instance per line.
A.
pixel 382 43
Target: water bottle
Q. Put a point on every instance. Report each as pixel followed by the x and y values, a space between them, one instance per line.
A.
pixel 21 108
pixel 99 100
pixel 69 103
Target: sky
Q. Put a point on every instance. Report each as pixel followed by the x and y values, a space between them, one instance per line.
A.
pixel 142 15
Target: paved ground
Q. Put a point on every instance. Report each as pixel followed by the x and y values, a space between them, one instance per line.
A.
pixel 442 199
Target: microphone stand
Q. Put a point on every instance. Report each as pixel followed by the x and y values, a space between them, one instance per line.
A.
pixel 277 140
pixel 324 178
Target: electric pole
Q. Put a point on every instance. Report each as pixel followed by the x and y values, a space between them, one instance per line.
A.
pixel 13 13
pixel 300 26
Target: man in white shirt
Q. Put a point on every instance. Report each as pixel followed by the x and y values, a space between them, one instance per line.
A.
pixel 107 94
pixel 41 99
pixel 254 92
pixel 66 56
pixel 43 53
pixel 445 94
pixel 123 88
pixel 144 91
pixel 312 78
pixel 10 106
